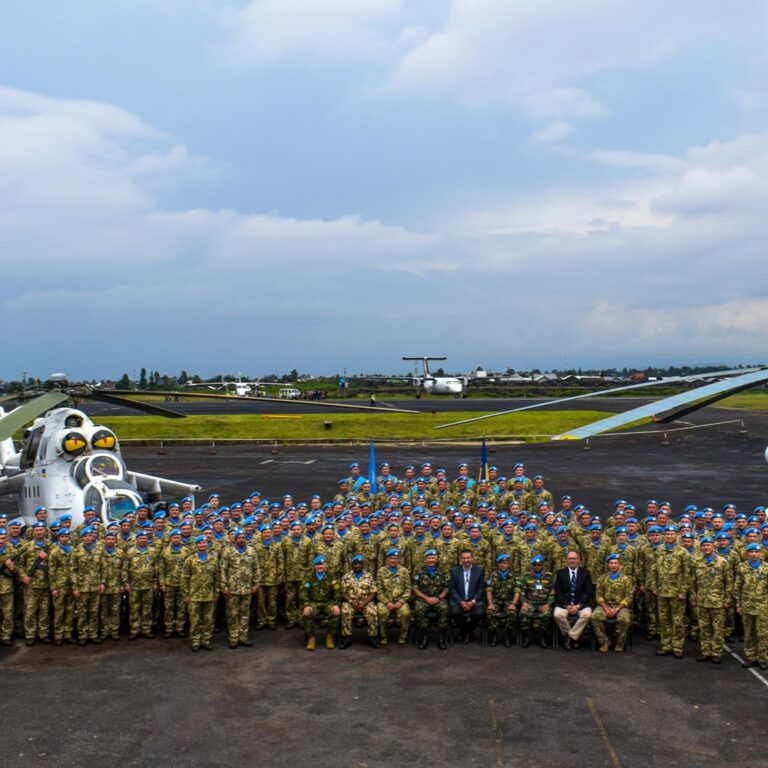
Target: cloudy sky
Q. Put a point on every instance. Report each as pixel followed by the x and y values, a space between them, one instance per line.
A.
pixel 224 186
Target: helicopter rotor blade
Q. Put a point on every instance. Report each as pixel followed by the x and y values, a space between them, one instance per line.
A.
pixel 18 417
pixel 137 405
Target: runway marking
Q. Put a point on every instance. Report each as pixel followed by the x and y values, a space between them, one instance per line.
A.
pixel 600 727
pixel 738 658
pixel 497 735
pixel 287 461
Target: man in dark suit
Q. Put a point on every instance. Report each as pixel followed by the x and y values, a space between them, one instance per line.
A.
pixel 467 595
pixel 574 591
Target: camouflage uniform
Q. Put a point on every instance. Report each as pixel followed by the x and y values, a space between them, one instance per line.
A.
pixel 432 585
pixel 239 579
pixel 112 568
pixel 296 563
pixel 60 580
pixel 613 593
pixel 140 575
pixel 502 589
pixel 711 587
pixel 321 595
pixel 394 588
pixel 751 594
pixel 86 580
pixel 7 579
pixel 650 601
pixel 269 557
pixel 200 588
pixel 358 589
pixel 37 598
pixel 170 564
pixel 671 577
pixel 536 593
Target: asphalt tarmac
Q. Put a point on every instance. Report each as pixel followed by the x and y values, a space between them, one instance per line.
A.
pixel 154 702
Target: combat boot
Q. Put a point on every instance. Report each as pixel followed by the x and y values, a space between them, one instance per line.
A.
pixel 543 642
pixel 526 639
pixel 605 647
pixel 619 648
pixel 311 643
pixel 508 639
pixel 442 639
pixel 329 642
pixel 423 641
pixel 492 639
pixel 402 638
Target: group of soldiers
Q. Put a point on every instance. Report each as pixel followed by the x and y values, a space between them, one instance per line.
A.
pixel 381 557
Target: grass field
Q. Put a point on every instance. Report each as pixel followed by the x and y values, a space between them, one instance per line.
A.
pixel 525 426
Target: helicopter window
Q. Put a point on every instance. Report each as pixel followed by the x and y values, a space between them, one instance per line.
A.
pixel 119 507
pixel 105 465
pixel 31 444
pixel 74 443
pixel 73 421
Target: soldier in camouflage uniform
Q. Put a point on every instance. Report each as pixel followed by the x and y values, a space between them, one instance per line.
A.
pixel 60 580
pixel 430 588
pixel 711 587
pixel 614 594
pixel 320 594
pixel 87 586
pixel 501 601
pixel 670 584
pixel 140 582
pixel 239 580
pixel 536 590
pixel 170 563
pixel 270 559
pixel 647 567
pixel 393 584
pixel 200 588
pixel 358 588
pixel 297 555
pixel 8 572
pixel 33 569
pixel 112 566
pixel 751 593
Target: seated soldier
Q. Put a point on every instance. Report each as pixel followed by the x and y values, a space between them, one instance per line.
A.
pixel 614 600
pixel 502 599
pixel 358 589
pixel 319 595
pixel 430 588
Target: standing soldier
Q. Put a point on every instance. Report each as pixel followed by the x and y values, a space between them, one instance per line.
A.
pixel 60 581
pixel 752 605
pixel 200 588
pixel 33 569
pixel 297 552
pixel 8 572
pixel 501 600
pixel 430 587
pixel 112 566
pixel 711 587
pixel 170 564
pixel 536 590
pixel 270 563
pixel 393 584
pixel 358 588
pixel 87 586
pixel 320 594
pixel 670 585
pixel 614 601
pixel 332 549
pixel 650 601
pixel 239 581
pixel 140 582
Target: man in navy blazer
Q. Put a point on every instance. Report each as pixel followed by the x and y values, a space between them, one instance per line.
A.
pixel 467 595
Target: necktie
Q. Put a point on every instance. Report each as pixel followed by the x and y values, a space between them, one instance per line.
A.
pixel 573 584
pixel 466 584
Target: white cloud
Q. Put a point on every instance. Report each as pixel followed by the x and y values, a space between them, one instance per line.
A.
pixel 552 132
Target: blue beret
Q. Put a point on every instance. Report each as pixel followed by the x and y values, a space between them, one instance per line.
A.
pixel 621 529
pixel 687 535
pixel 612 556
pixel 655 529
pixel 418 523
pixel 723 535
pixel 595 527
pixel 199 538
pixel 64 518
pixel 671 529
pixel 501 557
pixel 753 547
pixel 561 529
pixel 239 532
pixel 430 552
pixel 62 532
pixel 176 532
pixel 358 559
pixel 393 553
pixel 537 559
pixel 319 559
pixel 706 540
pixel 88 529
pixel 566 498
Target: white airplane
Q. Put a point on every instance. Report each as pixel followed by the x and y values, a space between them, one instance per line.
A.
pixel 240 388
pixel 437 385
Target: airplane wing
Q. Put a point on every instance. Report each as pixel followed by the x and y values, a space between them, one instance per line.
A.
pixel 671 408
pixel 612 390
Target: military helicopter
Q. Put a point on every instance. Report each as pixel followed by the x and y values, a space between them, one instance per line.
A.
pixel 66 462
